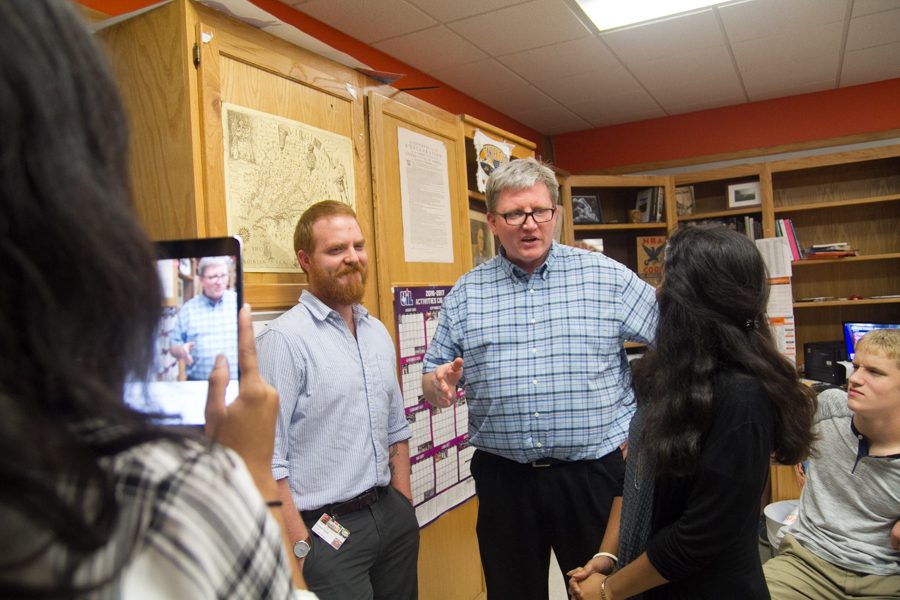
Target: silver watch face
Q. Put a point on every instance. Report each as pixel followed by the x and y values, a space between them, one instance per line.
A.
pixel 301 549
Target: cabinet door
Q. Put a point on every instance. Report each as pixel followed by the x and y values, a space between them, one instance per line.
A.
pixel 389 120
pixel 281 129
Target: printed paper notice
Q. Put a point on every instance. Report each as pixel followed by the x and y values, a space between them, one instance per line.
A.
pixel 776 254
pixel 425 198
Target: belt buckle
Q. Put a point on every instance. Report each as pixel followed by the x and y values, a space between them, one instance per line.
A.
pixel 537 464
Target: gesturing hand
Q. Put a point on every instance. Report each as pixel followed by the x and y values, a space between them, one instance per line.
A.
pixel 445 379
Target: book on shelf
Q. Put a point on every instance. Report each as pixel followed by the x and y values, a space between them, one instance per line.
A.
pixel 785 228
pixel 832 250
pixel 811 255
pixel 650 253
pixel 649 203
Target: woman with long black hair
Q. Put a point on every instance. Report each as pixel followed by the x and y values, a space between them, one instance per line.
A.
pixel 96 501
pixel 716 401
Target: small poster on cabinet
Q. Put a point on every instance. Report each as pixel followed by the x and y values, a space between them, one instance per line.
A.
pixel 481 237
pixel 650 253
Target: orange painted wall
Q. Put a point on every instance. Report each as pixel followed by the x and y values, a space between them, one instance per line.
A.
pixel 823 115
pixel 857 110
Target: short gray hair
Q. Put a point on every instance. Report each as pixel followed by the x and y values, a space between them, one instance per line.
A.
pixel 209 261
pixel 520 174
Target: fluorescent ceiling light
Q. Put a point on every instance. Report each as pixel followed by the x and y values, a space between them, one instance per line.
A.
pixel 611 14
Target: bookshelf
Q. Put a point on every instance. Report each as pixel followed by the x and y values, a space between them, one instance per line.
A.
pixel 617 196
pixel 851 197
pixel 710 191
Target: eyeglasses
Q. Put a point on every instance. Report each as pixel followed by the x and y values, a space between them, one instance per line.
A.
pixel 518 217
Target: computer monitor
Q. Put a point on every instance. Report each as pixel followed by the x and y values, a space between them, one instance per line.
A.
pixel 854 331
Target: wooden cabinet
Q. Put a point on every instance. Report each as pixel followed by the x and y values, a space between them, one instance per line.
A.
pixel 851 197
pixel 177 66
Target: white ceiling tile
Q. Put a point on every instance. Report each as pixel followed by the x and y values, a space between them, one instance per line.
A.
pixel 791 88
pixel 874 29
pixel 368 21
pixel 431 49
pixel 452 10
pixel 483 76
pixel 871 64
pixel 576 56
pixel 766 18
pixel 690 79
pixel 535 61
pixel 521 27
pixel 552 121
pixel 698 31
pixel 867 7
pixel 518 99
pixel 618 108
pixel 574 89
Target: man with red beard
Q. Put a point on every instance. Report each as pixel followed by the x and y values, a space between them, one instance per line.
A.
pixel 342 443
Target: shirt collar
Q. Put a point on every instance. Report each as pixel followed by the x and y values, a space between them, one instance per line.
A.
pixel 519 273
pixel 320 310
pixel 209 301
pixel 862 450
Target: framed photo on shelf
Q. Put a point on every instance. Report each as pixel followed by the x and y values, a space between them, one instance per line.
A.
pixel 586 210
pixel 743 194
pixel 684 200
pixel 481 237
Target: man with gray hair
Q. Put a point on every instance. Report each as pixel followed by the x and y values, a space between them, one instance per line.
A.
pixel 539 332
pixel 204 325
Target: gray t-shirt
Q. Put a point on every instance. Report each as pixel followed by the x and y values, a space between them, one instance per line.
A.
pixel 851 500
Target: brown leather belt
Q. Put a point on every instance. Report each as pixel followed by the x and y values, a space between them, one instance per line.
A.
pixel 365 499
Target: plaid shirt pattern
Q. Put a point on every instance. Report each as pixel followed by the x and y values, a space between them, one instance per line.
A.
pixel 212 326
pixel 192 524
pixel 545 371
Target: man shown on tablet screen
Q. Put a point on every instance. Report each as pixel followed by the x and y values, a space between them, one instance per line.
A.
pixel 203 328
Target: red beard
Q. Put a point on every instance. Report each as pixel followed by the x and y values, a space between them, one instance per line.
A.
pixel 331 291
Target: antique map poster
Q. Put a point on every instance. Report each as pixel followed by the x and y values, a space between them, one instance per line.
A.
pixel 275 168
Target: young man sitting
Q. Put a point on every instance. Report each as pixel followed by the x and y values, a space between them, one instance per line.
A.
pixel 845 542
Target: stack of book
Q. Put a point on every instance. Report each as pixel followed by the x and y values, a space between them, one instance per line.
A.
pixel 785 228
pixel 835 250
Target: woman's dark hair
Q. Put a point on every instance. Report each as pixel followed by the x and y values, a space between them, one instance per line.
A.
pixel 712 305
pixel 80 297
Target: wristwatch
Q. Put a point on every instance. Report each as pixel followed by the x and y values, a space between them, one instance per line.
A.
pixel 301 548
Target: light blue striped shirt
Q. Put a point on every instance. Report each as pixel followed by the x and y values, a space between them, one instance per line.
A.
pixel 212 326
pixel 545 371
pixel 341 406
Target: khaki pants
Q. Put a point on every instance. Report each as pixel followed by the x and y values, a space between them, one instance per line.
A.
pixel 799 574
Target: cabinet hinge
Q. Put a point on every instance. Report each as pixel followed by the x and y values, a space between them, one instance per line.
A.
pixel 196 55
